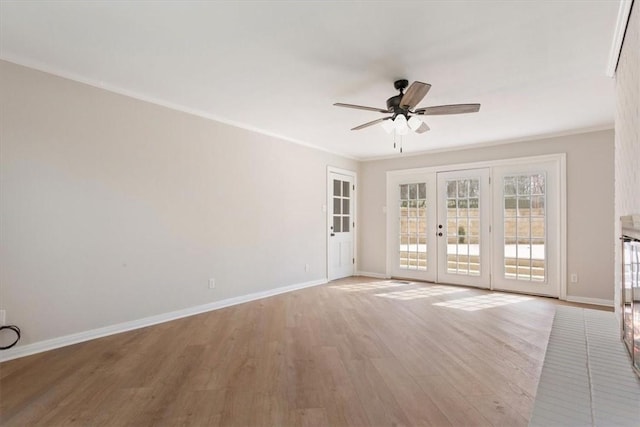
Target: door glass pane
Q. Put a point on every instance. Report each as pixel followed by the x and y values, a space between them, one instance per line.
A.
pixel 413 226
pixel 524 223
pixel 337 203
pixel 341 206
pixel 345 188
pixel 337 186
pixel 463 228
pixel 337 224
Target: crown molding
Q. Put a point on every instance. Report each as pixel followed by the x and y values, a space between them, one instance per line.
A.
pixel 624 11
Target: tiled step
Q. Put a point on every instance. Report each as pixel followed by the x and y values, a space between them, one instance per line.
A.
pixel 586 379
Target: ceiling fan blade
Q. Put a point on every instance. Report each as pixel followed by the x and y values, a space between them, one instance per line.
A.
pixel 360 107
pixel 423 128
pixel 448 109
pixel 371 123
pixel 416 92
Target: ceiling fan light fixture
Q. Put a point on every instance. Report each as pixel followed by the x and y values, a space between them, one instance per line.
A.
pixel 388 126
pixel 414 123
pixel 400 124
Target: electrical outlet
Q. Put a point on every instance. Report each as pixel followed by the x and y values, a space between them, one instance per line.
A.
pixel 212 283
pixel 3 317
pixel 574 278
pixel 306 268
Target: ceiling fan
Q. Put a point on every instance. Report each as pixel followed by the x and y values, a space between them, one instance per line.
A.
pixel 401 107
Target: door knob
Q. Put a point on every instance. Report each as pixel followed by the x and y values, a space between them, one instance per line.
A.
pixel 332 234
pixel 440 234
pixel 440 226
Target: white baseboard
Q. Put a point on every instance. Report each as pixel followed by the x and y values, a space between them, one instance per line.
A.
pixel 374 275
pixel 592 301
pixel 46 345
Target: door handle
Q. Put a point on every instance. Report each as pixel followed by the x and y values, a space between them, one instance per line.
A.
pixel 440 234
pixel 332 234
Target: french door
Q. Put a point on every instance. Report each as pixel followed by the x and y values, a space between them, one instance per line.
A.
pixel 438 228
pixel 496 227
pixel 526 217
pixel 463 227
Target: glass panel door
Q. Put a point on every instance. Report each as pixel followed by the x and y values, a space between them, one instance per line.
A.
pixel 526 220
pixel 411 225
pixel 463 227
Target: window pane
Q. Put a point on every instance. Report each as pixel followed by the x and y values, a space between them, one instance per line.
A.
pixel 336 224
pixel 509 186
pixel 336 187
pixel 452 189
pixel 537 228
pixel 345 188
pixel 345 206
pixel 537 184
pixel 523 185
pixel 413 191
pixel 474 188
pixel 345 224
pixel 422 191
pixel 463 188
pixel 404 192
pixel 337 203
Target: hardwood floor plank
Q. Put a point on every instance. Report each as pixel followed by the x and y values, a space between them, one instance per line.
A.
pixel 354 352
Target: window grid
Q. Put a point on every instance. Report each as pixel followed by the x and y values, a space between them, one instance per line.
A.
pixel 463 227
pixel 524 215
pixel 341 206
pixel 413 226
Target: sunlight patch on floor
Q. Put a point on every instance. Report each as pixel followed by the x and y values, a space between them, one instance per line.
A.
pixel 369 286
pixel 480 302
pixel 427 292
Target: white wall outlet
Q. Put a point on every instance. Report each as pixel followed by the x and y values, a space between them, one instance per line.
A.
pixel 3 317
pixel 306 268
pixel 574 277
pixel 212 283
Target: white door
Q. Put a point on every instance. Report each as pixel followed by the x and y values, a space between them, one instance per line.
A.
pixel 412 226
pixel 526 218
pixel 464 244
pixel 341 190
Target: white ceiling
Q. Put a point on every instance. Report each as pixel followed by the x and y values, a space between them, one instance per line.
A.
pixel 537 67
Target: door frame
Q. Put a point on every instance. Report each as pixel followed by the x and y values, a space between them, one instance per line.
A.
pixel 329 218
pixel 560 161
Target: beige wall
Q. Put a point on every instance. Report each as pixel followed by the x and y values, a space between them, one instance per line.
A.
pixel 114 209
pixel 589 203
pixel 627 141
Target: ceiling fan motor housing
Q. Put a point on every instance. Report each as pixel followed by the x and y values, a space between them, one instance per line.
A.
pixel 393 103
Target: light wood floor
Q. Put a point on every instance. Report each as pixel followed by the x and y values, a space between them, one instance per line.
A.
pixel 354 352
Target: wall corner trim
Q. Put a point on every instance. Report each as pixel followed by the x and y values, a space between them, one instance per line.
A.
pixel 624 11
pixel 51 344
